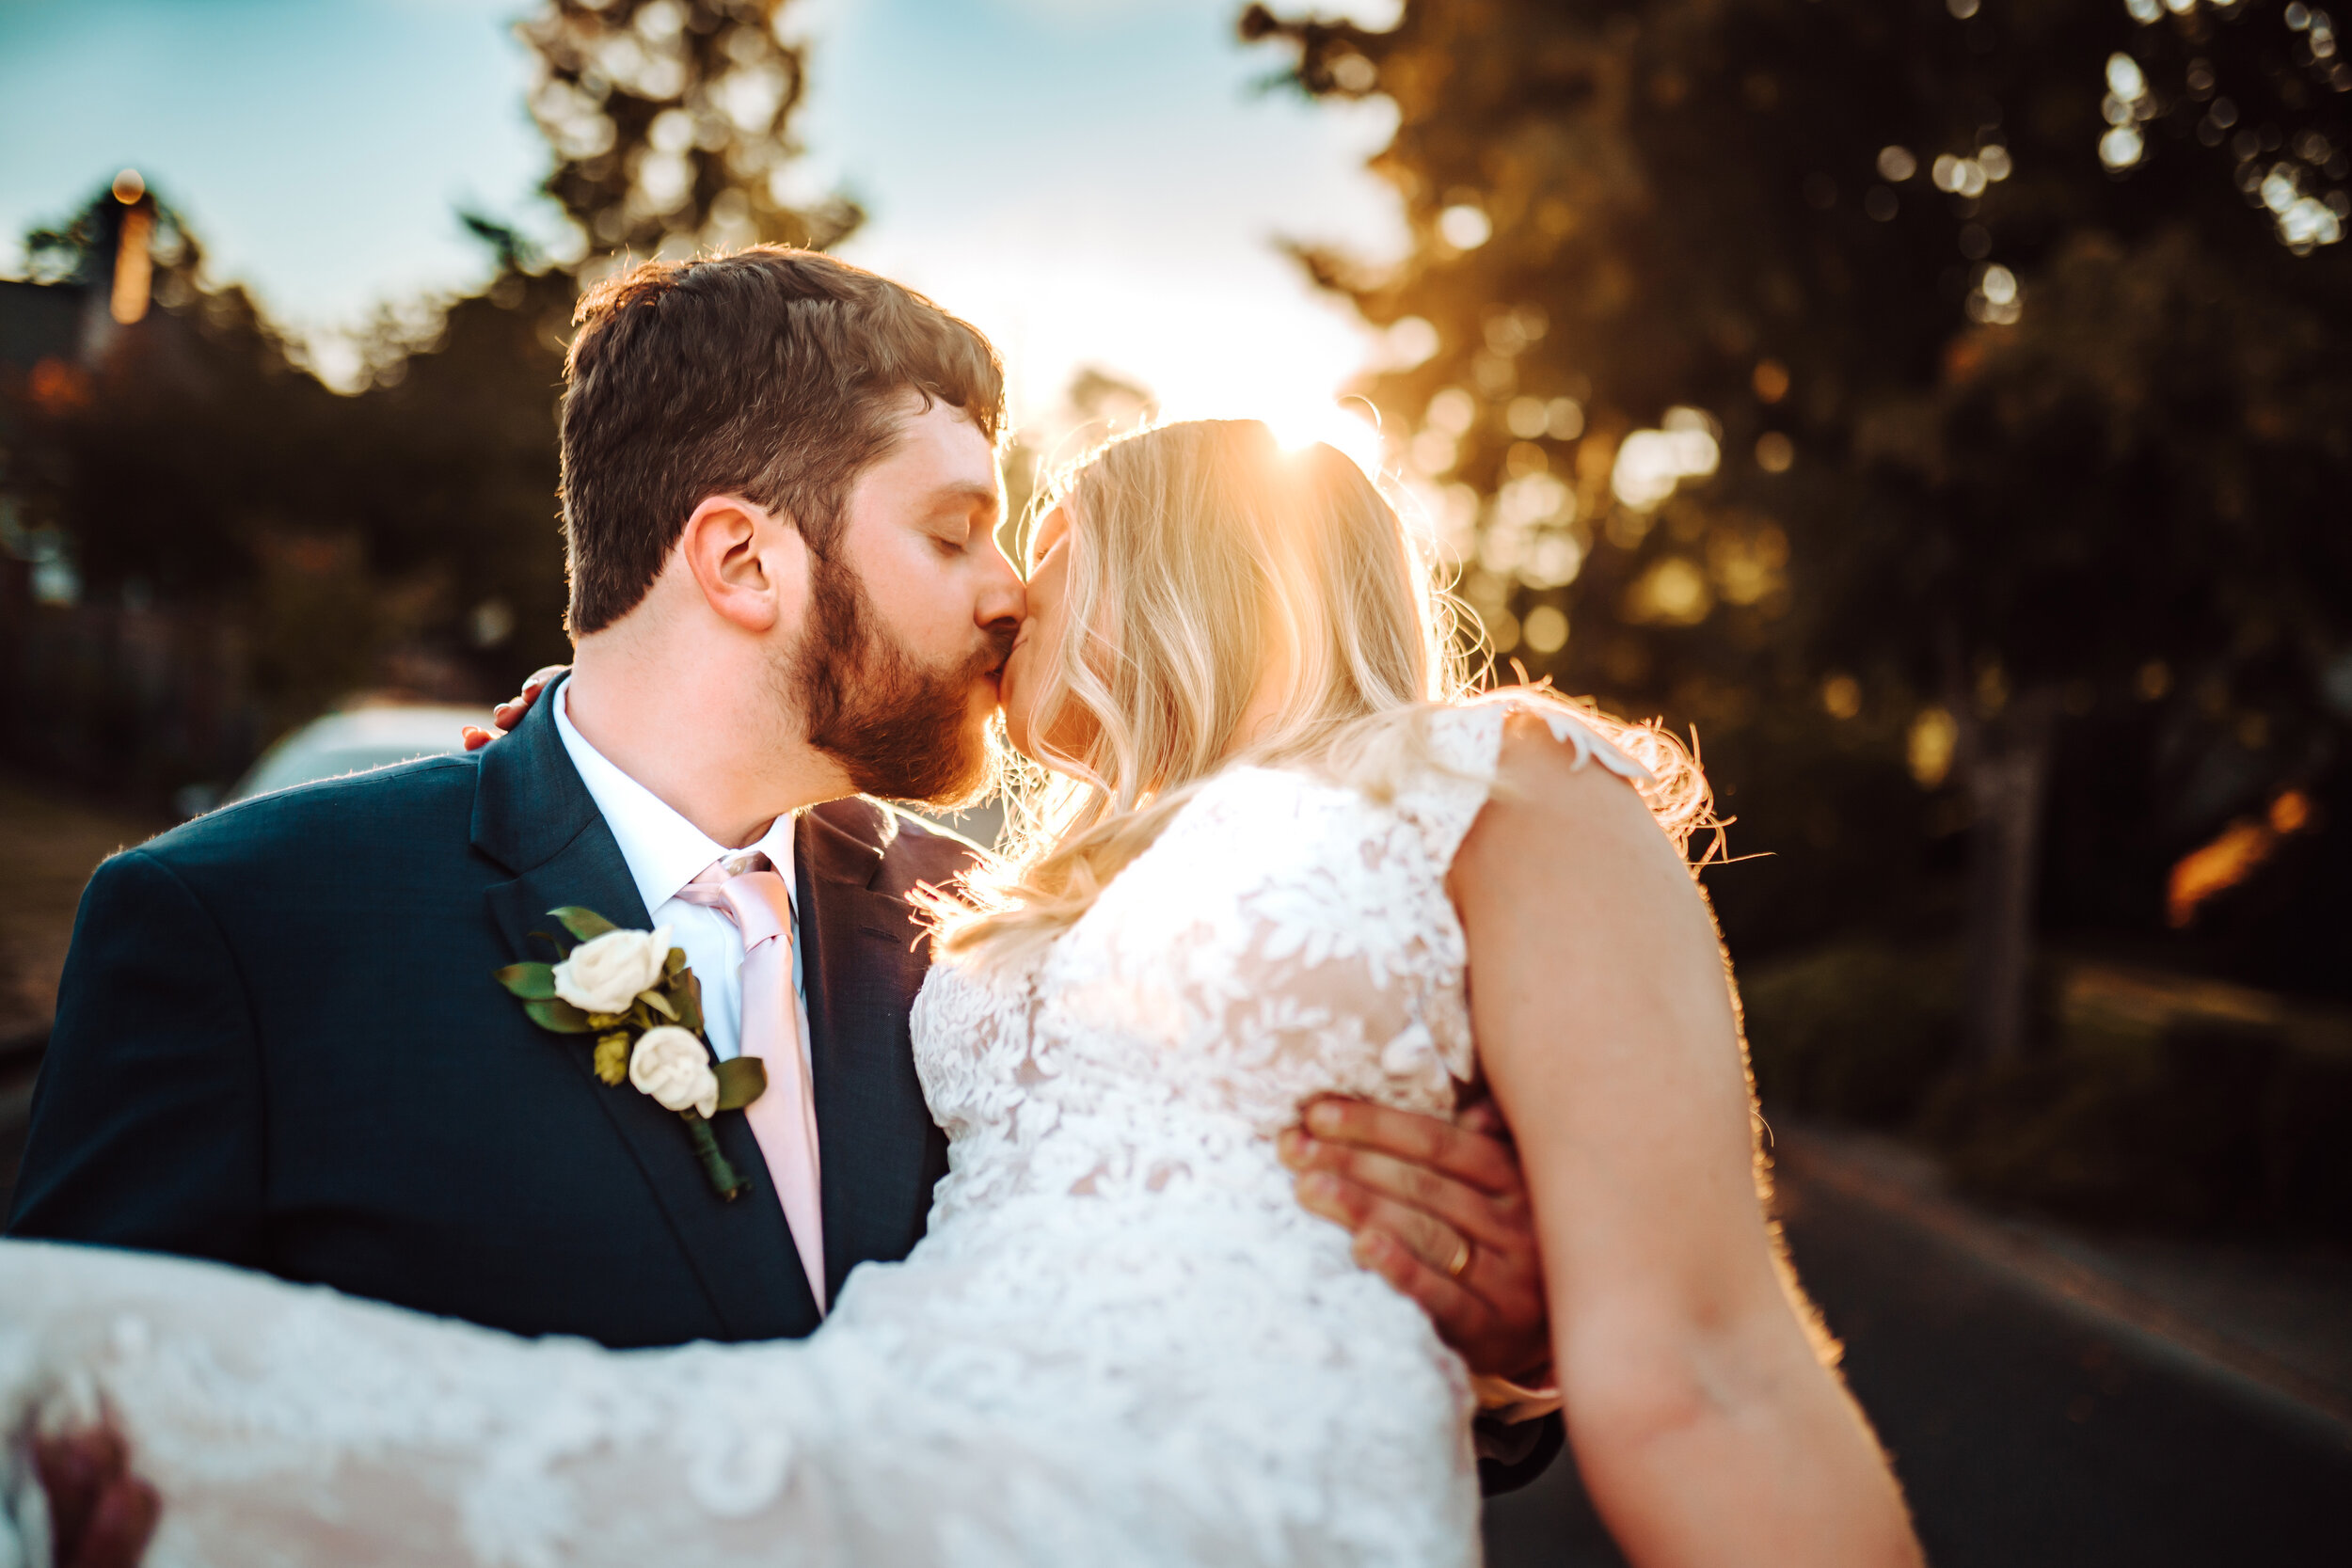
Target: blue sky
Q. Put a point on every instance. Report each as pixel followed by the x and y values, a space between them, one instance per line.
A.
pixel 1091 180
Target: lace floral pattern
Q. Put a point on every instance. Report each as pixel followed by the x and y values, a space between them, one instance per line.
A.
pixel 1122 1342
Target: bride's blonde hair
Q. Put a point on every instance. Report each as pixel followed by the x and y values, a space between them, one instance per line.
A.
pixel 1205 559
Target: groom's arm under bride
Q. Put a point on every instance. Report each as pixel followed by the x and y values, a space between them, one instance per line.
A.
pixel 1440 1211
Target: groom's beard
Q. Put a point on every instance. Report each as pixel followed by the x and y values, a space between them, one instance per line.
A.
pixel 899 727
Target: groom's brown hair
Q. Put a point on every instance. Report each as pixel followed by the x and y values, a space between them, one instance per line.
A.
pixel 772 373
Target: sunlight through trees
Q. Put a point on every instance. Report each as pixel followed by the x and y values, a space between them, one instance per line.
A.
pixel 1893 371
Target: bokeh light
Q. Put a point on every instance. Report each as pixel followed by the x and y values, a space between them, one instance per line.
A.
pixel 1928 745
pixel 1465 227
pixel 1652 463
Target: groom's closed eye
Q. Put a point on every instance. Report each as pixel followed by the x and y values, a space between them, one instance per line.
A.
pixel 955 534
pixel 960 511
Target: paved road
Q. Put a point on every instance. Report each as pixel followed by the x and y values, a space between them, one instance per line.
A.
pixel 2027 1433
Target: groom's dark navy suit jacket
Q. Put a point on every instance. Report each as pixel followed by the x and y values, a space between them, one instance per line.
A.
pixel 278 1044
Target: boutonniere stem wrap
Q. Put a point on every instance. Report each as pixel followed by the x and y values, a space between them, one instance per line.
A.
pixel 633 992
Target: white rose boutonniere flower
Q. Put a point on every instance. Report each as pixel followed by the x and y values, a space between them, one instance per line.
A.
pixel 604 975
pixel 674 1067
pixel 635 995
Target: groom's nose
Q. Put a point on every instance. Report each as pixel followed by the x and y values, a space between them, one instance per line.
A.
pixel 1002 598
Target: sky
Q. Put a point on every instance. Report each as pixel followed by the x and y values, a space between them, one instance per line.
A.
pixel 1091 182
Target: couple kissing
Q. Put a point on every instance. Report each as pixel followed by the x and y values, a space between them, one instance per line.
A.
pixel 666 1150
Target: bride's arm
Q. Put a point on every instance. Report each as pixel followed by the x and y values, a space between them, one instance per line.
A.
pixel 1707 1428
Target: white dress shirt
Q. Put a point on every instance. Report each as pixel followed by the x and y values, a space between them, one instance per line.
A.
pixel 664 852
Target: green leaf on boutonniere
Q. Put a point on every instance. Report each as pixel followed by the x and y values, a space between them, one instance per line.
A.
pixel 741 1081
pixel 587 924
pixel 675 962
pixel 559 1015
pixel 722 1175
pixel 686 995
pixel 613 1059
pixel 658 1002
pixel 531 982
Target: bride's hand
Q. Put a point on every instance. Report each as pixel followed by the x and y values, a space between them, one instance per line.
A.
pixel 510 713
pixel 1440 1211
pixel 100 1514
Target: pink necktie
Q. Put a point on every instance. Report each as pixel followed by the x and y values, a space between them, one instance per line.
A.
pixel 747 891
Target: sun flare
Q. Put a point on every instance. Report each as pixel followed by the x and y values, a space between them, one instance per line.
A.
pixel 1299 421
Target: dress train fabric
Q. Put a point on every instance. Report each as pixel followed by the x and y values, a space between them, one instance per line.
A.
pixel 1121 1340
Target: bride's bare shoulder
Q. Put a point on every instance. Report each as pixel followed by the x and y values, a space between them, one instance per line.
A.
pixel 1542 748
pixel 1569 812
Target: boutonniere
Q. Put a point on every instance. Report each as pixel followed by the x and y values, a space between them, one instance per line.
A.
pixel 634 992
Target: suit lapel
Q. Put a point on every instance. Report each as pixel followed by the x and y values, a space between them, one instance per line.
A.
pixel 861 969
pixel 533 815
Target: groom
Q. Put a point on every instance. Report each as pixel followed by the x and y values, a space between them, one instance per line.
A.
pixel 279 1043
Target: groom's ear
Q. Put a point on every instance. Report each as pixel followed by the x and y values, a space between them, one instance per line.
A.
pixel 749 565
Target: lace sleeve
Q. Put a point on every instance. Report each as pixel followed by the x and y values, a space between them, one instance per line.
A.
pixel 1466 745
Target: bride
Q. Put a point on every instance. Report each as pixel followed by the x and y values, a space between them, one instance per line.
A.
pixel 1282 841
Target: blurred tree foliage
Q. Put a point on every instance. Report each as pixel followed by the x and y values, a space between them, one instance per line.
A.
pixel 670 124
pixel 155 453
pixel 1946 406
pixel 399 537
pixel 403 533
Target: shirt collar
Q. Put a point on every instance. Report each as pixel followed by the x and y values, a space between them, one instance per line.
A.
pixel 664 850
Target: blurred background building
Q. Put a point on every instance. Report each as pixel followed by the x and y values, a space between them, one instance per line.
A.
pixel 1942 408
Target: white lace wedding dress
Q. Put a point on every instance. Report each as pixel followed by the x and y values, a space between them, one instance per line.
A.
pixel 1123 1340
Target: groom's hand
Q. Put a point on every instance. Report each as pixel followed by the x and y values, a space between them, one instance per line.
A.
pixel 100 1514
pixel 510 713
pixel 1440 1211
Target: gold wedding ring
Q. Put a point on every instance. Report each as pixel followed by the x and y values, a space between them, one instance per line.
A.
pixel 1461 1259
